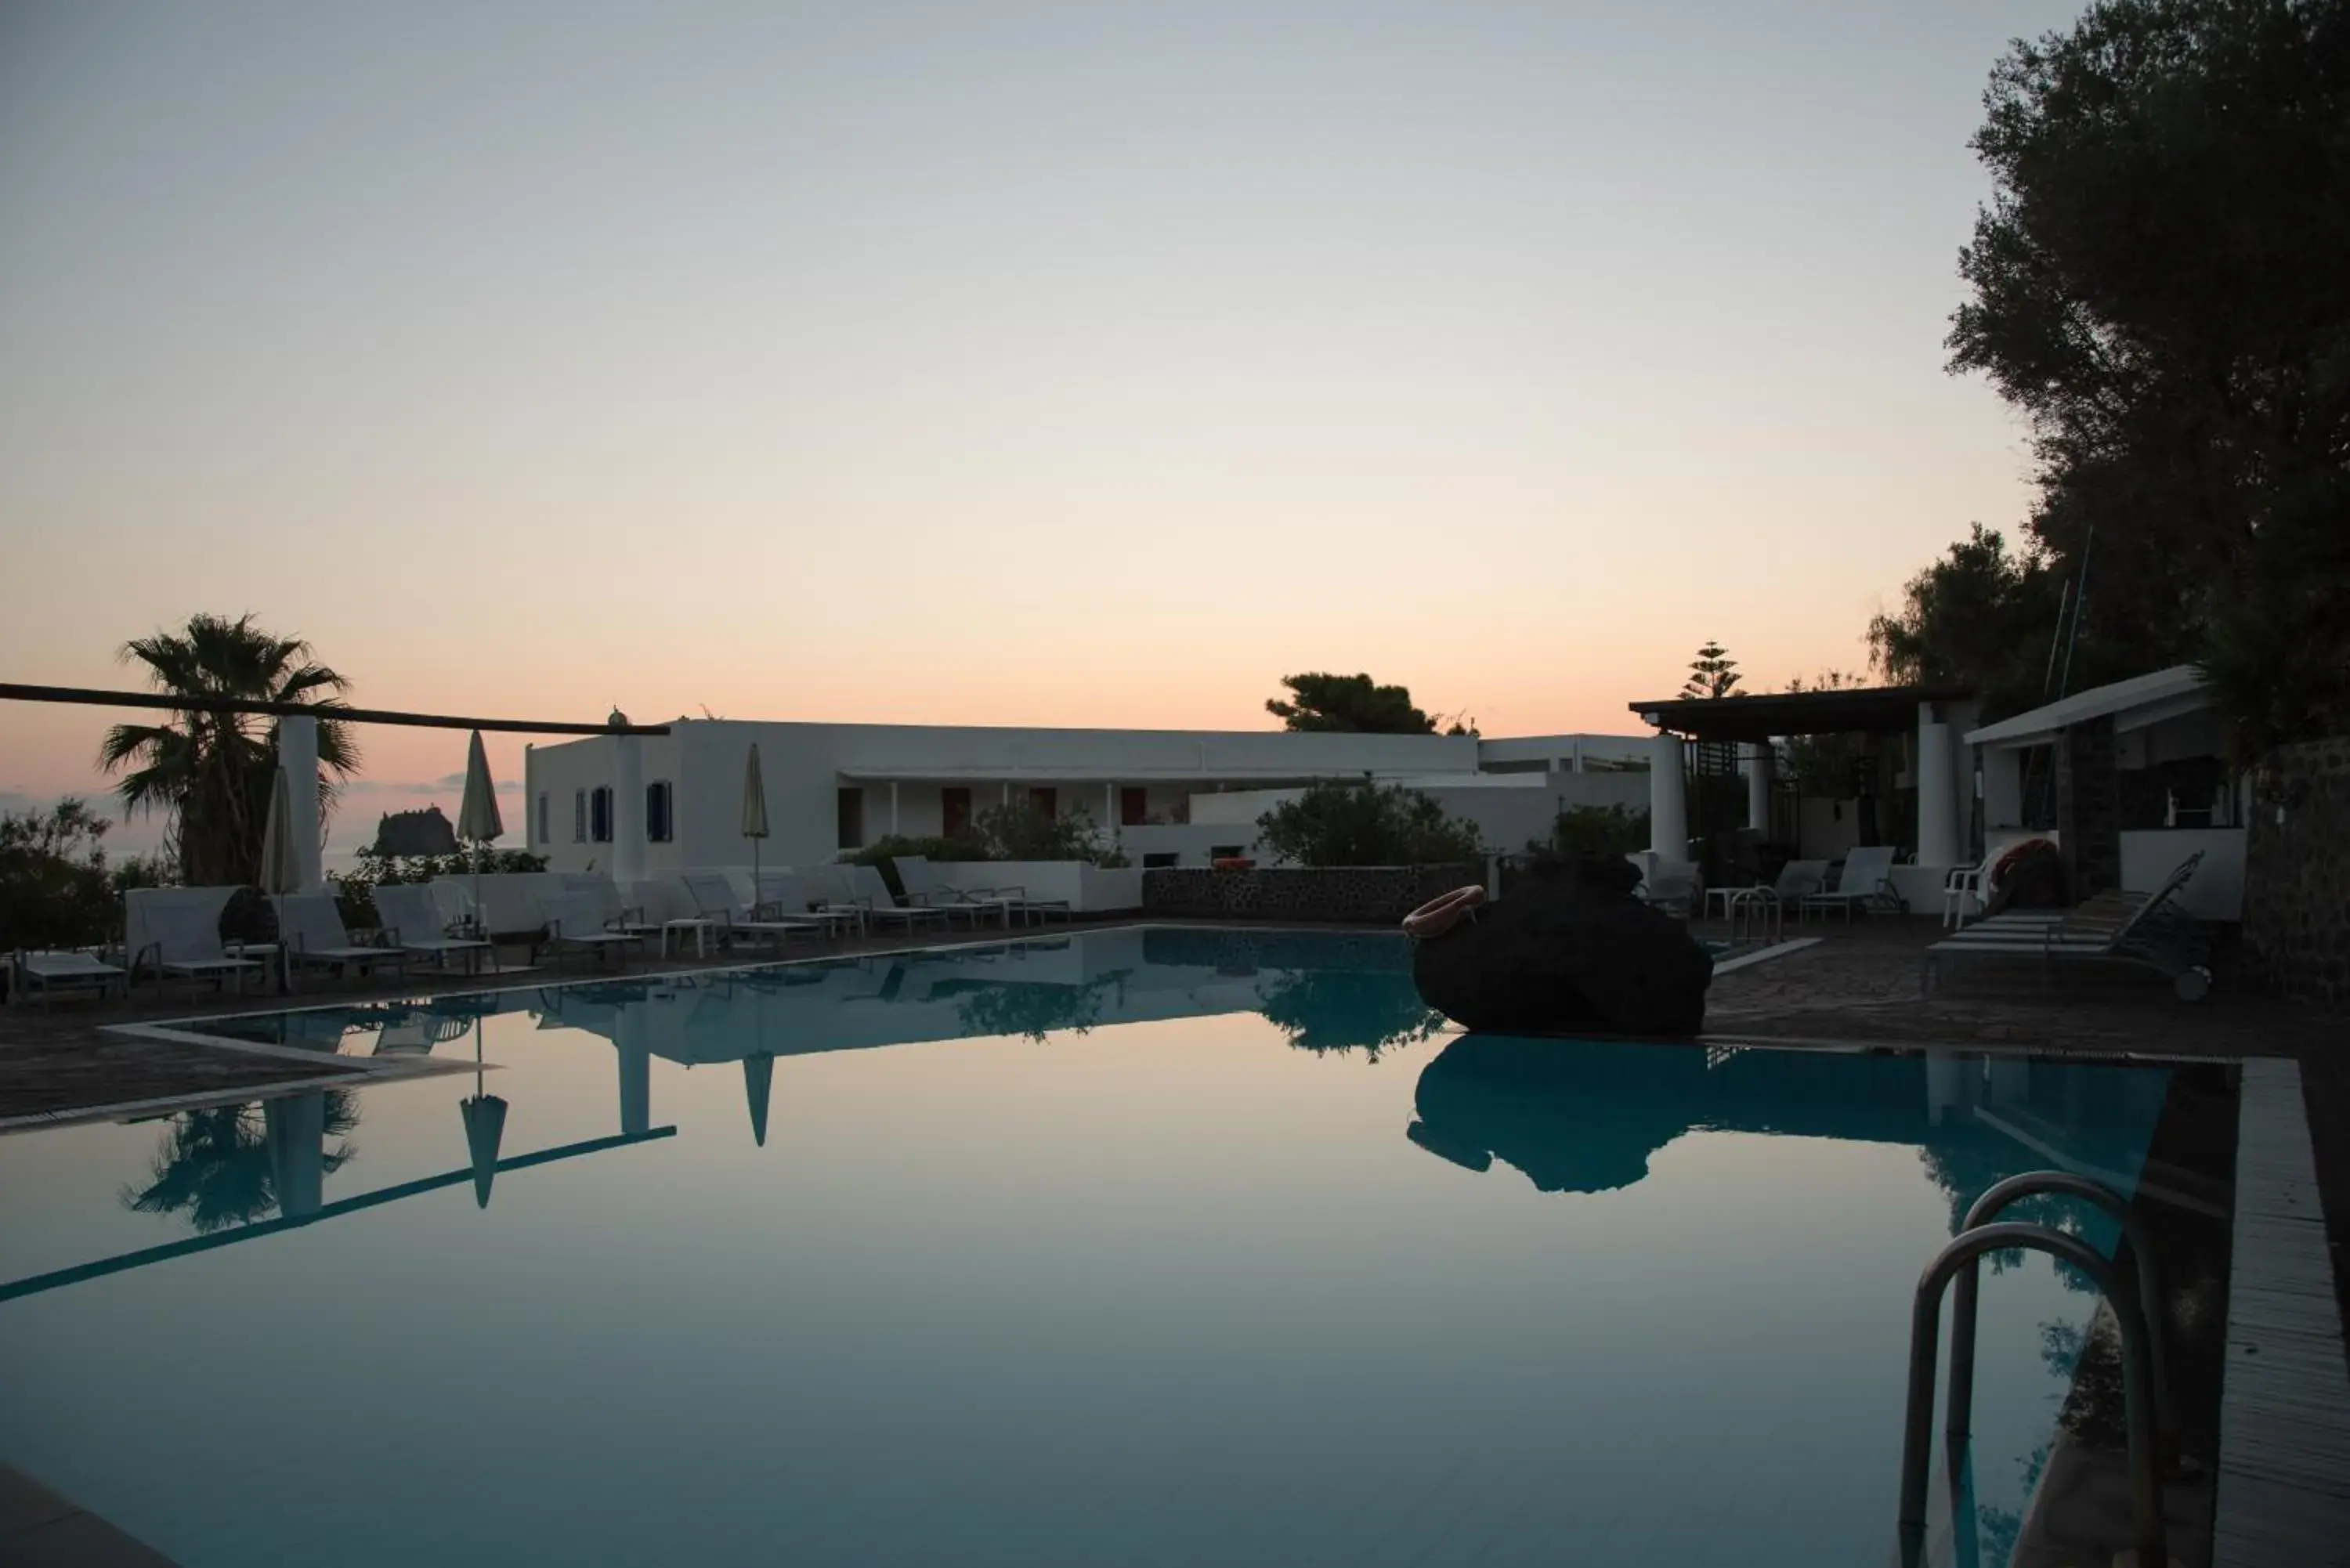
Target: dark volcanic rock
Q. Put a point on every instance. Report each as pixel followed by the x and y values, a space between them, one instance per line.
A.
pixel 1573 953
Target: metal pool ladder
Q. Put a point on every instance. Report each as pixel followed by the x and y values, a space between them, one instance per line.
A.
pixel 2136 1299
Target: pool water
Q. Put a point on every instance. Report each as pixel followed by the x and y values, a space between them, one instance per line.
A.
pixel 1150 1246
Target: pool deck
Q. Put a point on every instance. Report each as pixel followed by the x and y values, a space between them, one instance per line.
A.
pixel 2284 1473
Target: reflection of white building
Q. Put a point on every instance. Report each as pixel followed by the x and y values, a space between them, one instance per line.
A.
pixel 643 806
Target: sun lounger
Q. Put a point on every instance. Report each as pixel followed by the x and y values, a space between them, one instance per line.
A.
pixel 1865 883
pixel 788 894
pixel 176 931
pixel 713 899
pixel 575 923
pixel 605 894
pixel 2145 930
pixel 881 905
pixel 310 934
pixel 923 885
pixel 48 974
pixel 413 921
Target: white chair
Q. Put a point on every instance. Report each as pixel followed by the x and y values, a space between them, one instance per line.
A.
pixel 786 895
pixel 413 919
pixel 1672 886
pixel 1867 883
pixel 176 931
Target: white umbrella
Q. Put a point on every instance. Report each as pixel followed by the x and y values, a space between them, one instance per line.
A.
pixel 486 1125
pixel 477 818
pixel 279 873
pixel 754 816
pixel 758 1081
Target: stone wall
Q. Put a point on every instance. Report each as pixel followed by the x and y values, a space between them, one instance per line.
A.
pixel 2088 806
pixel 1380 894
pixel 2297 873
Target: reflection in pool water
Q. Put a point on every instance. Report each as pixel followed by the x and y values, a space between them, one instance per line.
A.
pixel 1037 1253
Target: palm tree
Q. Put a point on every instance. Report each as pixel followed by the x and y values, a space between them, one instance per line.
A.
pixel 212 772
pixel 213 1165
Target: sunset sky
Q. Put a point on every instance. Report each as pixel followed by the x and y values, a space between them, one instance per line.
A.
pixel 1079 364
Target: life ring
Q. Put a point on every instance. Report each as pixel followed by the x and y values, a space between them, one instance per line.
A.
pixel 1441 913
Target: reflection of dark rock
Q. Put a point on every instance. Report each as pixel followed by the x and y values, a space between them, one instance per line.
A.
pixel 1564 954
pixel 2031 877
pixel 1583 1118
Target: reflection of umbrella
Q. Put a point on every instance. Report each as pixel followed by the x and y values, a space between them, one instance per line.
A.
pixel 758 1077
pixel 485 1124
pixel 754 815
pixel 477 816
pixel 279 873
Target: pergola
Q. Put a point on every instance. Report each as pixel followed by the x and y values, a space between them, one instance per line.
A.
pixel 1944 773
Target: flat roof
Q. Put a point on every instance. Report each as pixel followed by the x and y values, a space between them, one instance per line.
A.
pixel 1871 708
pixel 2132 704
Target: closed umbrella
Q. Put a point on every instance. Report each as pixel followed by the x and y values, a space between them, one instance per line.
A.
pixel 758 1083
pixel 754 816
pixel 477 818
pixel 279 873
pixel 486 1125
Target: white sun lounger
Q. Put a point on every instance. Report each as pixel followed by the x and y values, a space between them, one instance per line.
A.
pixel 881 905
pixel 48 974
pixel 713 897
pixel 414 921
pixel 923 885
pixel 311 935
pixel 575 923
pixel 2145 930
pixel 176 931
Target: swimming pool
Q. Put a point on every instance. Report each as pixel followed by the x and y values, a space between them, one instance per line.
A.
pixel 1146 1245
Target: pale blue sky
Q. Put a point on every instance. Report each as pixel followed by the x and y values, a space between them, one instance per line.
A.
pixel 1089 364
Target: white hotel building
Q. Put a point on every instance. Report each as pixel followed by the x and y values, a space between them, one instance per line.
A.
pixel 645 806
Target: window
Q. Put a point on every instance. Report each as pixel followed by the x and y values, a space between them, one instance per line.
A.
pixel 1133 807
pixel 579 816
pixel 545 836
pixel 1044 801
pixel 656 818
pixel 852 819
pixel 954 811
pixel 599 814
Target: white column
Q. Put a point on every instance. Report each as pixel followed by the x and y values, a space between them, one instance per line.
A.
pixel 297 753
pixel 1758 766
pixel 1668 799
pixel 632 1044
pixel 1937 779
pixel 629 812
pixel 893 808
pixel 1109 808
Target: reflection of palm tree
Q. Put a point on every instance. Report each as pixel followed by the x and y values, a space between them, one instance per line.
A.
pixel 1330 1010
pixel 211 773
pixel 214 1164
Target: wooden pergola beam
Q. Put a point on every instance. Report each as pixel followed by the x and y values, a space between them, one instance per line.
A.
pixel 91 697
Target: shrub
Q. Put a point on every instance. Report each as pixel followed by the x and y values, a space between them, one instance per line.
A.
pixel 1366 823
pixel 1600 832
pixel 55 890
pixel 355 889
pixel 888 847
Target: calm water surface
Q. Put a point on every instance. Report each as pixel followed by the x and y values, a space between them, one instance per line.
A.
pixel 1143 1246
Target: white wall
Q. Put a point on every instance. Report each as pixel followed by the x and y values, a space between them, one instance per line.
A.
pixel 805 765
